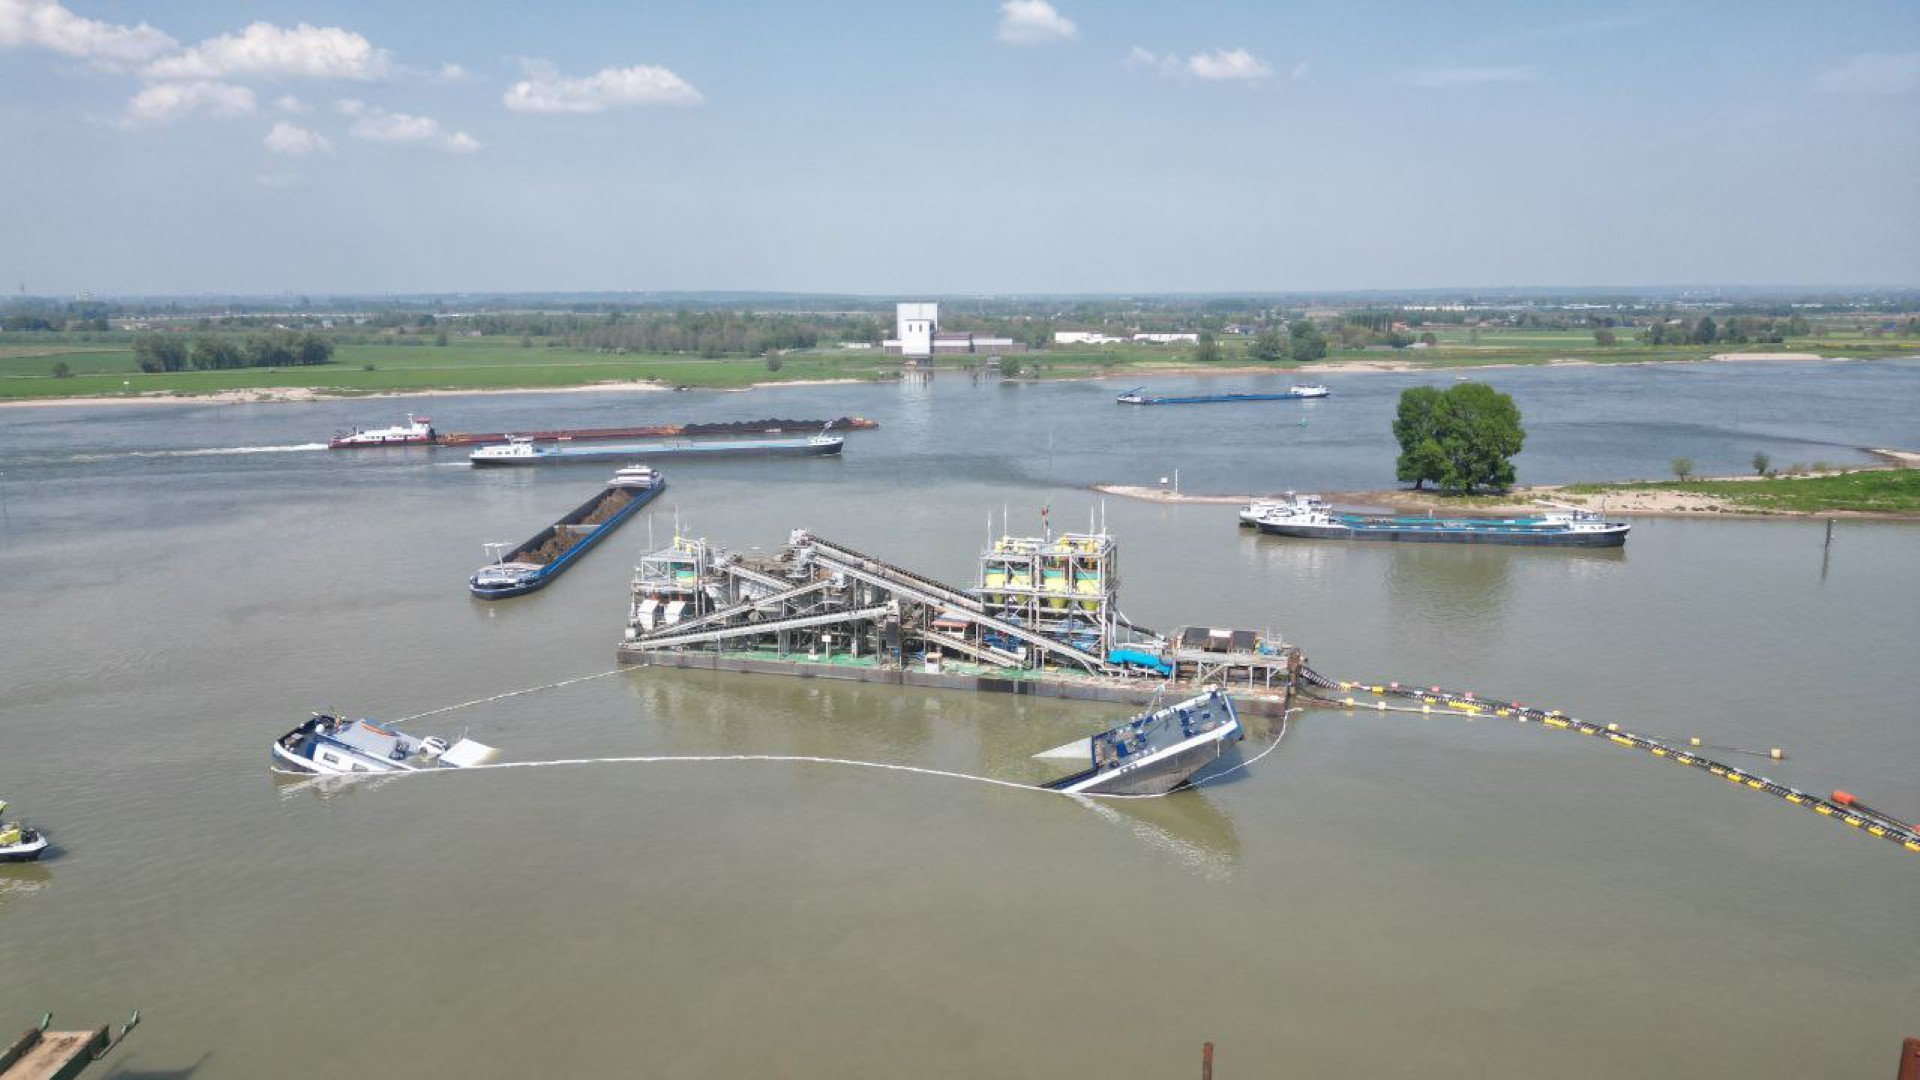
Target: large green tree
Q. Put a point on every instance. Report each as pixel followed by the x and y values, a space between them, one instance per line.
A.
pixel 1463 439
pixel 1420 456
pixel 1305 341
pixel 1207 350
pixel 1268 345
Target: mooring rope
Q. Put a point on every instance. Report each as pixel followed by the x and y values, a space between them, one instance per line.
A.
pixel 790 759
pixel 1859 817
pixel 508 694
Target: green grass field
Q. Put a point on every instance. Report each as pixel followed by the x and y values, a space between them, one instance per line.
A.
pixel 1880 491
pixel 400 368
pixel 490 364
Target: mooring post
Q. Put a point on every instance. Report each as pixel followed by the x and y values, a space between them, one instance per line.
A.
pixel 1206 1062
pixel 1829 544
pixel 1909 1059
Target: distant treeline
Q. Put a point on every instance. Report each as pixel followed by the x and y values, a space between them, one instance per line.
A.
pixel 706 333
pixel 170 352
pixel 1738 330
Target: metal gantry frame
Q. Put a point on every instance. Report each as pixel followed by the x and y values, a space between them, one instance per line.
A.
pixel 1040 604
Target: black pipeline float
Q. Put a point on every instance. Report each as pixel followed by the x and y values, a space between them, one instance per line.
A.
pixel 1841 807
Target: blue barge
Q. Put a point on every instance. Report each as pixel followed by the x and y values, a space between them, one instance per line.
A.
pixel 530 566
pixel 1307 517
pixel 1139 396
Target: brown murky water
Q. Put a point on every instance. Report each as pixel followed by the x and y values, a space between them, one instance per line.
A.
pixel 1386 895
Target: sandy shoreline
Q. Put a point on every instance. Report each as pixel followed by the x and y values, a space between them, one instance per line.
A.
pixel 303 394
pixel 1526 500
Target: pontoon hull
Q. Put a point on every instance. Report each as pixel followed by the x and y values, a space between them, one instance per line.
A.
pixel 1158 774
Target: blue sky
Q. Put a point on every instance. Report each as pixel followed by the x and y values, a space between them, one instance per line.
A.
pixel 886 148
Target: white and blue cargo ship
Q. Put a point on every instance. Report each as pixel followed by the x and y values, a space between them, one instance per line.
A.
pixel 1139 396
pixel 1307 517
pixel 553 549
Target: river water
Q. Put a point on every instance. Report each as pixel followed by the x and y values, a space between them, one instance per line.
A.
pixel 1385 895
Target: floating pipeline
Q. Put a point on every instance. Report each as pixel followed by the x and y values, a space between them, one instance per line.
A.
pixel 1842 807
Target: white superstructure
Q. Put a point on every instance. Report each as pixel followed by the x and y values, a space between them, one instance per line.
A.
pixel 914 326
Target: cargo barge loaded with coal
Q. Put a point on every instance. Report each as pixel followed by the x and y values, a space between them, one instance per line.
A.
pixel 520 450
pixel 419 431
pixel 1042 618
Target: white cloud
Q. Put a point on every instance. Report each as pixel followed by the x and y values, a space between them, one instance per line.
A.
pixel 1440 78
pixel 164 103
pixel 1218 65
pixel 375 124
pixel 451 73
pixel 1873 75
pixel 547 91
pixel 292 140
pixel 45 24
pixel 264 50
pixel 287 103
pixel 1034 22
pixel 1228 65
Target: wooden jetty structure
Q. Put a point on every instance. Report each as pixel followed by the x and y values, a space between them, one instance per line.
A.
pixel 1043 618
pixel 43 1054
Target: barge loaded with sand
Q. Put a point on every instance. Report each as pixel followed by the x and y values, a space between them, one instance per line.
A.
pixel 553 549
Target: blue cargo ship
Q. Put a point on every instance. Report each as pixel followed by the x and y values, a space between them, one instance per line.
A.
pixel 1139 396
pixel 530 566
pixel 1307 517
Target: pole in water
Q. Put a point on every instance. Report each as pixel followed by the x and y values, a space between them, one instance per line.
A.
pixel 1829 544
pixel 1909 1060
pixel 1206 1061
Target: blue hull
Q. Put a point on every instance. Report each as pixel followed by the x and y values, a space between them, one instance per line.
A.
pixel 554 569
pixel 1209 399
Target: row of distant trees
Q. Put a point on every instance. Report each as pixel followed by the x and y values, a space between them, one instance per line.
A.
pixel 1736 330
pixel 170 352
pixel 26 321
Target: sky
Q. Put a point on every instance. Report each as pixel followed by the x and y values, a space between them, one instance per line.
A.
pixel 894 149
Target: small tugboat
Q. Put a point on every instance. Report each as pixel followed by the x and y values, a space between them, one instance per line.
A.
pixel 20 843
pixel 521 450
pixel 1139 396
pixel 1157 751
pixel 331 746
pixel 417 431
pixel 1308 517
pixel 553 549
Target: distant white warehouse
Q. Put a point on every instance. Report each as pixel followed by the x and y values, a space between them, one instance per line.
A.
pixel 1083 337
pixel 1166 339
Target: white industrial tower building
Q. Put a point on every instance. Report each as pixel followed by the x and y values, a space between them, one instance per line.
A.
pixel 914 326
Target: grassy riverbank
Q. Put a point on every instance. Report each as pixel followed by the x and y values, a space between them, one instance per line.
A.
pixel 108 370
pixel 1889 492
pixel 1874 491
